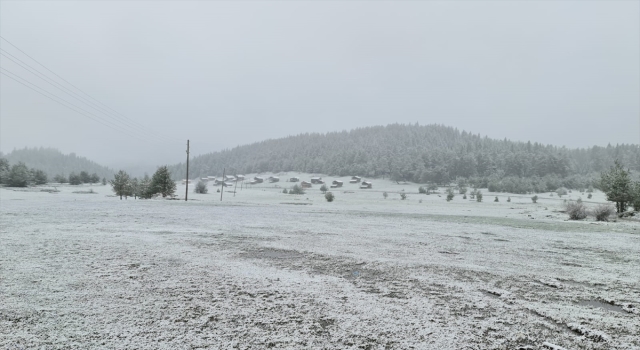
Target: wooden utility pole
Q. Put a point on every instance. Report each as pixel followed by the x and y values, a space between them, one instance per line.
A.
pixel 235 188
pixel 223 183
pixel 186 191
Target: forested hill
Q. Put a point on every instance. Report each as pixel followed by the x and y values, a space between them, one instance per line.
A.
pixel 432 153
pixel 53 162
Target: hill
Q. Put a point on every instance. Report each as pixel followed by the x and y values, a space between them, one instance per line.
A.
pixel 54 162
pixel 431 153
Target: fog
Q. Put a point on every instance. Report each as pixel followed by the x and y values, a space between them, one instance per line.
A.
pixel 224 74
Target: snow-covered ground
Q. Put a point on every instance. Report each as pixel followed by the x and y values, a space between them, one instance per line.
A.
pixel 266 269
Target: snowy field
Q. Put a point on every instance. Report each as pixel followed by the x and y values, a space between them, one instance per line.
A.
pixel 265 269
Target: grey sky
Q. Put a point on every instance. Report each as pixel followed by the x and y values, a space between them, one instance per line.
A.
pixel 230 73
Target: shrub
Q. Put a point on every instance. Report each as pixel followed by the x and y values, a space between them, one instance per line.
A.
pixel 104 181
pixel 590 189
pixel 602 212
pixel 508 199
pixel 60 179
pixel 496 200
pixel 422 190
pixel 324 189
pixel 403 196
pixel 463 190
pixel 420 201
pixel 479 196
pixel 385 195
pixel 589 196
pixel 576 210
pixel 561 191
pixel 296 189
pixel 39 177
pixel 534 199
pixel 285 191
pixel 74 179
pixel 329 196
pixel 494 187
pixel 450 194
pixel 464 196
pixel 201 187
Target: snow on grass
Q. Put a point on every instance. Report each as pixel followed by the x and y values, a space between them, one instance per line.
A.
pixel 93 271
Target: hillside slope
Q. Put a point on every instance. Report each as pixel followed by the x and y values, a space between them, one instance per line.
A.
pixel 431 153
pixel 54 162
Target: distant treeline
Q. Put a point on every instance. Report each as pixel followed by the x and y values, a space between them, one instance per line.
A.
pixel 53 162
pixel 423 154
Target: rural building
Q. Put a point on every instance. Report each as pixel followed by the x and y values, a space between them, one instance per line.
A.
pixel 258 180
pixel 305 184
pixel 273 179
pixel 366 184
pixel 229 178
pixel 240 177
pixel 355 179
pixel 336 184
pixel 184 181
pixel 316 180
pixel 294 179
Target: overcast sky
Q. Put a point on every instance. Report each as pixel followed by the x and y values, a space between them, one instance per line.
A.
pixel 229 73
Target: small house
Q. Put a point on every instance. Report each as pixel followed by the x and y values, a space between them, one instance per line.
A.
pixel 316 180
pixel 258 180
pixel 366 185
pixel 336 184
pixel 240 177
pixel 229 178
pixel 305 184
pixel 294 179
pixel 273 179
pixel 355 179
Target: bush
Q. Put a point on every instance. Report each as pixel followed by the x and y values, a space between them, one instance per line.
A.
pixel 60 179
pixel 450 194
pixel 385 195
pixel 534 199
pixel 285 191
pixel 39 177
pixel 494 187
pixel 508 199
pixel 74 179
pixel 589 196
pixel 464 196
pixel 496 200
pixel 561 191
pixel 576 210
pixel 479 196
pixel 403 196
pixel 602 212
pixel 323 188
pixel 422 190
pixel 201 187
pixel 463 190
pixel 329 196
pixel 296 189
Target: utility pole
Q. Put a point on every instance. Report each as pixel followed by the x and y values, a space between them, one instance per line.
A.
pixel 236 188
pixel 186 191
pixel 223 183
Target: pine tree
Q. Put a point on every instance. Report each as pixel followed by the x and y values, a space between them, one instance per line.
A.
pixel 616 184
pixel 19 176
pixel 144 187
pixel 74 179
pixel 39 177
pixel 4 170
pixel 161 182
pixel 120 183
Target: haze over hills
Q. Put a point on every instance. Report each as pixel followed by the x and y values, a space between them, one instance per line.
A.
pixel 53 162
pixel 431 153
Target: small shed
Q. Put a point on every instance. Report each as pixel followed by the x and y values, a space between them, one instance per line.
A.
pixel 240 177
pixel 305 184
pixel 184 181
pixel 366 185
pixel 258 180
pixel 316 180
pixel 355 179
pixel 294 179
pixel 229 178
pixel 273 179
pixel 336 184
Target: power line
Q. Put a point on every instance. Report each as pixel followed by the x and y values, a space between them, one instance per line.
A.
pixel 68 91
pixel 84 93
pixel 86 113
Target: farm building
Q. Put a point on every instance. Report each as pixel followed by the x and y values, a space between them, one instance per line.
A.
pixel 336 184
pixel 273 179
pixel 366 184
pixel 294 179
pixel 355 179
pixel 258 180
pixel 240 177
pixel 316 180
pixel 229 178
pixel 305 184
